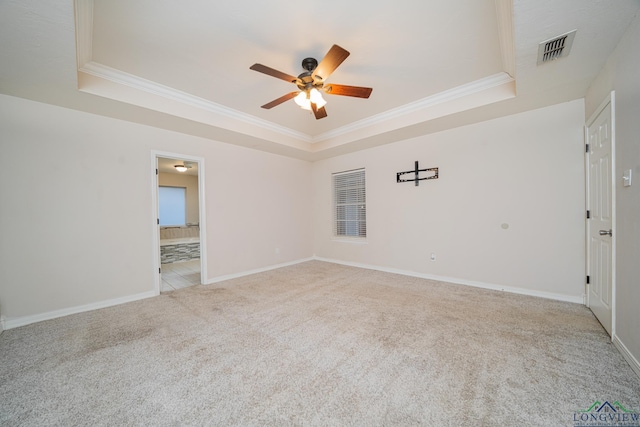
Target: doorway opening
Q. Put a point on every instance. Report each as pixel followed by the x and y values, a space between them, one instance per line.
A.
pixel 178 219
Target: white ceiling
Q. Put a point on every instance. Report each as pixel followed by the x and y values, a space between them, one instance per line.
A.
pixel 206 48
pixel 184 65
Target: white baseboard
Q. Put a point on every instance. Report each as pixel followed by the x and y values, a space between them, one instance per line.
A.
pixel 633 362
pixel 578 299
pixel 27 320
pixel 257 270
pixel 2 328
pixel 6 324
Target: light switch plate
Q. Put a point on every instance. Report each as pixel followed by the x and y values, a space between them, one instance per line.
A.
pixel 626 178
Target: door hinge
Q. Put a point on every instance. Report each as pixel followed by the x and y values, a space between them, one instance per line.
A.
pixel 159 270
pixel 158 221
pixel 587 148
pixel 588 279
pixel 156 171
pixel 588 214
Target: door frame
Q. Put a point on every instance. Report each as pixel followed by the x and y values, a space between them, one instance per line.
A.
pixel 610 99
pixel 155 240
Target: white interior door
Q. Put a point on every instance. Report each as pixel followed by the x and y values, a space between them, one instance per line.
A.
pixel 600 225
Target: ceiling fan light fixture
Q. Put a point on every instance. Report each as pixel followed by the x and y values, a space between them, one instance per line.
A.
pixel 316 97
pixel 303 100
pixel 312 82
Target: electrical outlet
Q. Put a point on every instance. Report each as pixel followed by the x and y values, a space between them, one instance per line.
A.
pixel 433 256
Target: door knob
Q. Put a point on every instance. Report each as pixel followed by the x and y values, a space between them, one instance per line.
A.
pixel 606 232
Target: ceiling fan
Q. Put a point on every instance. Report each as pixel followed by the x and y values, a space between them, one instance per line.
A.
pixel 313 81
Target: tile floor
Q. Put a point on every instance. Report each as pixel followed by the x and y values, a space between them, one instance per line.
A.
pixel 180 275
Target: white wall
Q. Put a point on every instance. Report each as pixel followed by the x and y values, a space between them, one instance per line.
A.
pixel 76 236
pixel 525 170
pixel 190 183
pixel 621 74
pixel 76 217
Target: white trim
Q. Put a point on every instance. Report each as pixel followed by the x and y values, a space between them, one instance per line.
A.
pixel 587 200
pixel 155 240
pixel 155 229
pixel 27 320
pixel 2 324
pixel 428 102
pixel 614 238
pixel 609 99
pixel 352 240
pixel 148 86
pixel 202 220
pixel 120 77
pixel 504 12
pixel 256 270
pixel 84 31
pixel 633 362
pixel 521 291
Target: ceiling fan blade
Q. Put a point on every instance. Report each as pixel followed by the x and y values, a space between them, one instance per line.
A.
pixel 280 100
pixel 320 113
pixel 330 62
pixel 273 73
pixel 344 90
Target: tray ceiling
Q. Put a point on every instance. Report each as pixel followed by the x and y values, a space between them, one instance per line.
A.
pixel 184 66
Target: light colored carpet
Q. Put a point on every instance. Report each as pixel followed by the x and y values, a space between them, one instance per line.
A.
pixel 314 344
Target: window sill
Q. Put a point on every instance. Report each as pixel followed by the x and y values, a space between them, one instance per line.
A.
pixel 352 240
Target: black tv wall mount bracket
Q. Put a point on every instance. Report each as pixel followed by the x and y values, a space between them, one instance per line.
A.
pixel 416 173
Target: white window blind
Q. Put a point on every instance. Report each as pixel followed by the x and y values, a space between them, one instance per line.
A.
pixel 349 200
pixel 172 205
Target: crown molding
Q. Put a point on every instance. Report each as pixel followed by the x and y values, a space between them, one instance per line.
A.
pixel 504 15
pixel 84 55
pixel 148 86
pixel 84 31
pixel 458 92
pixel 120 77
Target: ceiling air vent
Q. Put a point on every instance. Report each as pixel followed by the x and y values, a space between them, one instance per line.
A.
pixel 557 47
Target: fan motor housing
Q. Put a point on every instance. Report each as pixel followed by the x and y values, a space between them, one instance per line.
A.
pixel 306 80
pixel 309 64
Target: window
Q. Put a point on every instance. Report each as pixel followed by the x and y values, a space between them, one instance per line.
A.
pixel 172 205
pixel 349 202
